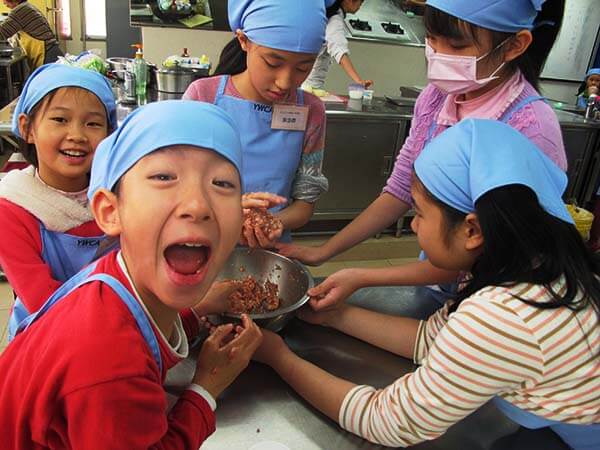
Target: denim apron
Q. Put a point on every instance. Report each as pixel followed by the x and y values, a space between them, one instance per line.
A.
pixel 443 292
pixel 270 157
pixel 66 254
pixel 578 437
pixel 126 297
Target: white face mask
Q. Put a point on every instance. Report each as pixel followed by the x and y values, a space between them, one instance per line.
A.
pixel 457 74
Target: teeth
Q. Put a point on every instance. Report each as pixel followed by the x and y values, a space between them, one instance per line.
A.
pixel 74 153
pixel 192 244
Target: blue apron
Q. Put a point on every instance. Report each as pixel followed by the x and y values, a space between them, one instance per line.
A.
pixel 84 277
pixel 66 255
pixel 444 292
pixel 578 437
pixel 270 157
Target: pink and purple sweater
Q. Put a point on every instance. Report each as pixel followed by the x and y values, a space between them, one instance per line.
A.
pixel 536 120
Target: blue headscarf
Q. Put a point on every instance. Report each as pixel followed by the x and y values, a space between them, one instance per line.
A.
pixel 159 125
pixel 593 71
pixel 50 77
pixel 290 25
pixel 476 156
pixel 508 16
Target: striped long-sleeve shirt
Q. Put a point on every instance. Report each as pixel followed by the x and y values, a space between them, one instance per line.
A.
pixel 27 18
pixel 543 361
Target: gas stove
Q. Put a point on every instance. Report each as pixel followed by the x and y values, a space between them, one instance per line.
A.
pixel 375 28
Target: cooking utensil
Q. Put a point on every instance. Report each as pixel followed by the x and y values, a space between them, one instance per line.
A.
pixel 292 278
pixel 177 80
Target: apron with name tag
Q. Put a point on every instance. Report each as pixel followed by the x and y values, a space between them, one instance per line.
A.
pixel 270 156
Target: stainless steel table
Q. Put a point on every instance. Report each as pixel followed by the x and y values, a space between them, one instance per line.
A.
pixel 259 406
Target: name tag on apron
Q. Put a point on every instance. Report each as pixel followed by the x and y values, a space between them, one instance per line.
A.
pixel 289 117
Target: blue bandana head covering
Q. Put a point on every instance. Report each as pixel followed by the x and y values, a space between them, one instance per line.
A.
pixel 594 71
pixel 509 16
pixel 159 125
pixel 475 156
pixel 290 25
pixel 50 77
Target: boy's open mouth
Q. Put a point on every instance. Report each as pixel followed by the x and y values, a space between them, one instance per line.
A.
pixel 187 258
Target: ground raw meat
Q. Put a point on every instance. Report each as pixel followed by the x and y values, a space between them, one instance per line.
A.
pixel 263 219
pixel 252 297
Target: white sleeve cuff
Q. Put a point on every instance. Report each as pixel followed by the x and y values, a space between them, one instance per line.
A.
pixel 204 394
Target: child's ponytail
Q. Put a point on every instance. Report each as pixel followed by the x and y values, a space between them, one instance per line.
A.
pixel 232 60
pixel 547 25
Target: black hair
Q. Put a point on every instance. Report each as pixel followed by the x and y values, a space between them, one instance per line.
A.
pixel 523 243
pixel 232 60
pixel 546 28
pixel 333 9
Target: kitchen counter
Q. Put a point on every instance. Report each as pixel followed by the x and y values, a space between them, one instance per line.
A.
pixel 259 406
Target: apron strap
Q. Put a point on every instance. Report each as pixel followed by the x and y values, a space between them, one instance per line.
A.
pixel 132 304
pixel 221 89
pixel 514 108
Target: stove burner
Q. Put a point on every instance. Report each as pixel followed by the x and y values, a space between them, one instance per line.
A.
pixel 392 28
pixel 361 25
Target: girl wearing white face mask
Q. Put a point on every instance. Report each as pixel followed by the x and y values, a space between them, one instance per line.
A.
pixel 484 61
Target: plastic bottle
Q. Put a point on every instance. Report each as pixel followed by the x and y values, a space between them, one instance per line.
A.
pixel 140 68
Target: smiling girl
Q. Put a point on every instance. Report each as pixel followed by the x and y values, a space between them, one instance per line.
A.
pixel 48 231
pixel 282 128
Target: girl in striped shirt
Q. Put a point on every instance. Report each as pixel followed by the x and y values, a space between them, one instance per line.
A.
pixel 524 330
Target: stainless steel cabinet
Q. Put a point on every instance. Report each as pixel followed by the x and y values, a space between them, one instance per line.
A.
pixel 359 157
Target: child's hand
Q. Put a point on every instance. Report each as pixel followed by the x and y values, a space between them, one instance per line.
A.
pixel 220 361
pixel 334 290
pixel 312 256
pixel 254 236
pixel 216 299
pixel 272 347
pixel 323 318
pixel 261 200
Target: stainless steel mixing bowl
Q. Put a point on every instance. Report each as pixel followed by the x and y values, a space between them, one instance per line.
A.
pixel 292 278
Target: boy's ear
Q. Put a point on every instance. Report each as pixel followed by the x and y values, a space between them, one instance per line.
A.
pixel 473 235
pixel 24 125
pixel 105 209
pixel 242 39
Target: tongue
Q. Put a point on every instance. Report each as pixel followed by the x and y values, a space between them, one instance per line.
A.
pixel 185 260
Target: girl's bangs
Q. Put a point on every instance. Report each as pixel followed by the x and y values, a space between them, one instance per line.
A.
pixel 439 23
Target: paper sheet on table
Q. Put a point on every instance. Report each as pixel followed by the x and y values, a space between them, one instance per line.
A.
pixel 195 21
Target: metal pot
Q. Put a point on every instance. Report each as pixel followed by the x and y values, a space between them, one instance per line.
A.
pixel 293 279
pixel 177 80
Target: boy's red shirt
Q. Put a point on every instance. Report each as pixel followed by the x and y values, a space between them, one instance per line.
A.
pixel 83 377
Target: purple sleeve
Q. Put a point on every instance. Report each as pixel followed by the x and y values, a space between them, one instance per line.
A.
pixel 539 123
pixel 398 184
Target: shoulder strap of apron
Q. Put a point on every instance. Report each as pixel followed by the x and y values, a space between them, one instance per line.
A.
pixel 517 106
pixel 132 304
pixel 221 89
pixel 300 96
